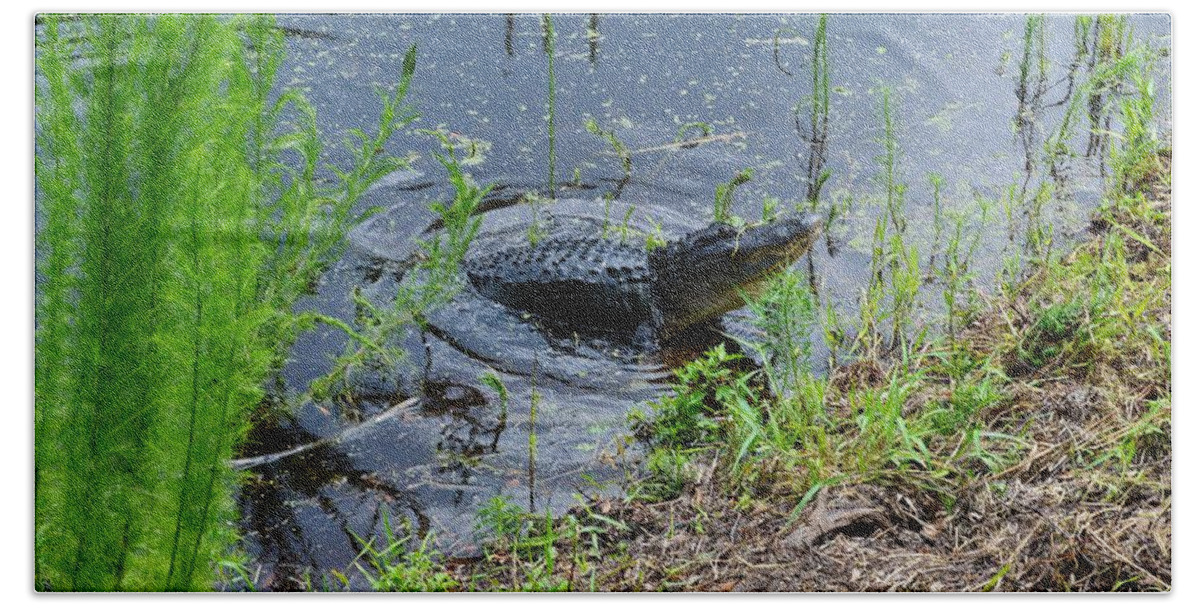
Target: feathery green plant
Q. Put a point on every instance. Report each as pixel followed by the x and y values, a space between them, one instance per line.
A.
pixel 150 263
pixel 785 315
pixel 894 269
pixel 171 247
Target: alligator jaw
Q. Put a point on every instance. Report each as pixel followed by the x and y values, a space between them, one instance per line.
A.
pixel 708 272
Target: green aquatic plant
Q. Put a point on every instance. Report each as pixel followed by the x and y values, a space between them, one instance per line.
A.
pixel 593 37
pixel 432 282
pixel 723 200
pixel 681 134
pixel 619 148
pixel 889 164
pixel 939 217
pixel 172 244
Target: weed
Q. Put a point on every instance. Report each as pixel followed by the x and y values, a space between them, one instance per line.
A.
pixel 955 273
pixel 667 472
pixel 1055 327
pixel 968 397
pixel 526 542
pixel 432 282
pixel 687 418
pixel 785 316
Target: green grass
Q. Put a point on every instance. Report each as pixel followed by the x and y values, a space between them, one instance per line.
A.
pixel 524 545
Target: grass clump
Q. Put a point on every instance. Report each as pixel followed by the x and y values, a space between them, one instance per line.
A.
pixel 401 565
pixel 521 548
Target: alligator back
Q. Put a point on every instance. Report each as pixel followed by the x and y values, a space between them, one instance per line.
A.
pixel 570 281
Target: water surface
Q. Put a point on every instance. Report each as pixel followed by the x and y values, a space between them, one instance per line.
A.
pixel 649 79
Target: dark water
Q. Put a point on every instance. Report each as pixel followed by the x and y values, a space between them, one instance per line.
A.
pixel 484 78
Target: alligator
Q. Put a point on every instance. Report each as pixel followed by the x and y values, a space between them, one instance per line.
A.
pixel 598 283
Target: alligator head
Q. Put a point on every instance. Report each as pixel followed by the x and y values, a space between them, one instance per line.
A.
pixel 708 272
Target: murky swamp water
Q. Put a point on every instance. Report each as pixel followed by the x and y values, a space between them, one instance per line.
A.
pixel 439 442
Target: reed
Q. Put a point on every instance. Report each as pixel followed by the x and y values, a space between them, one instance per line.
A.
pixel 818 103
pixel 548 47
pixel 1031 88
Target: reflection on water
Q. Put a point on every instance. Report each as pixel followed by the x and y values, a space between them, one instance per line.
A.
pixel 677 104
